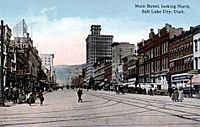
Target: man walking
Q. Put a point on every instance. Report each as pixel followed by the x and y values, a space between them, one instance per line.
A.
pixel 79 93
pixel 41 97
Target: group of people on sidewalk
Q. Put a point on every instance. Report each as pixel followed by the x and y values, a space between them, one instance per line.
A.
pixel 19 96
pixel 177 95
pixel 30 98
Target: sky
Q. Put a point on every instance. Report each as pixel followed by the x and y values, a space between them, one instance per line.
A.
pixel 60 27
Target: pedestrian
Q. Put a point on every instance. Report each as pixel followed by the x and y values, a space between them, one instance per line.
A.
pixel 20 97
pixel 10 94
pixel 170 90
pixel 15 95
pixel 180 95
pixel 79 93
pixel 29 98
pixel 41 98
pixel 150 91
pixel 175 95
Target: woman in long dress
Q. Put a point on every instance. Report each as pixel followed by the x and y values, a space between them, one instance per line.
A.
pixel 175 95
pixel 180 95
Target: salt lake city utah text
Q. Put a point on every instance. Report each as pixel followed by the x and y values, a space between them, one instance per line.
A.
pixel 163 8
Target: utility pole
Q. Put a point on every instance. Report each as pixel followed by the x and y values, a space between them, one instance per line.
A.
pixel 2 103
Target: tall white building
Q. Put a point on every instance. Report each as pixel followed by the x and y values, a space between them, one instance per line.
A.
pixel 47 65
pixel 120 50
pixel 97 46
pixel 20 30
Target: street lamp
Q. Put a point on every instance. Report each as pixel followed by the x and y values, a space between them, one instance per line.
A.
pixel 2 103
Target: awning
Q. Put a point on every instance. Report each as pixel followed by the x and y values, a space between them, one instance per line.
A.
pixel 181 77
pixel 196 79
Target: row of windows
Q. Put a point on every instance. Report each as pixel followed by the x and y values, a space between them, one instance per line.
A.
pixel 196 44
pixel 185 60
pixel 47 61
pixel 155 66
pixel 182 67
pixel 100 48
pixel 157 51
pixel 161 49
pixel 181 39
pixel 181 50
pixel 125 49
pixel 99 53
pixel 165 63
pixel 141 69
pixel 100 44
pixel 101 39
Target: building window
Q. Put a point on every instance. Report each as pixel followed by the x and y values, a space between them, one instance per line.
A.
pixel 196 63
pixel 171 65
pixel 152 53
pixel 196 45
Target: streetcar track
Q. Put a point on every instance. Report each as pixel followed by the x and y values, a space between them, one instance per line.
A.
pixel 55 111
pixel 128 102
pixel 125 112
pixel 120 100
pixel 162 102
pixel 74 119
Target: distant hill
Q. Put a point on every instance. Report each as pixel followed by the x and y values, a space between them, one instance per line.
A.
pixel 63 71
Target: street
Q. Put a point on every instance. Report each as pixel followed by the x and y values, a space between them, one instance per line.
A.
pixel 101 109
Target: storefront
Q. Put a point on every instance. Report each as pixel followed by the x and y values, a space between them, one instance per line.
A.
pixel 195 82
pixel 181 80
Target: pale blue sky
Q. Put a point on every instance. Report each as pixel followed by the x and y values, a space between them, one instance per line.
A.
pixel 61 26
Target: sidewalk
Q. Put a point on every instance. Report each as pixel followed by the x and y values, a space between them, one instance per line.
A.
pixel 156 97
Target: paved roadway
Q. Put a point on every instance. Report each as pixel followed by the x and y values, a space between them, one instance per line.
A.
pixel 103 109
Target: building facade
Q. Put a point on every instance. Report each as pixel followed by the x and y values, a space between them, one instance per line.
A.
pixel 196 54
pixel 5 36
pixel 97 46
pixel 120 50
pixel 108 72
pixel 101 69
pixel 196 47
pixel 130 69
pixel 28 62
pixel 12 66
pixel 153 57
pixel 47 65
pixel 184 55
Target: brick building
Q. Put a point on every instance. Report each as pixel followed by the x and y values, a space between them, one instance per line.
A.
pixel 153 57
pixel 181 56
